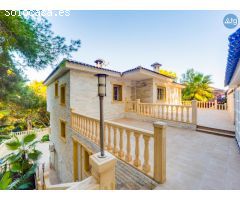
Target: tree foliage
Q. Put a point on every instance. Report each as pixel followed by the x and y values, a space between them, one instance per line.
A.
pixel 168 73
pixel 26 42
pixel 28 106
pixel 197 86
pixel 29 41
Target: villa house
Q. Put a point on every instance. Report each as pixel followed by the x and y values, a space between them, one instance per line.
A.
pixel 232 80
pixel 72 88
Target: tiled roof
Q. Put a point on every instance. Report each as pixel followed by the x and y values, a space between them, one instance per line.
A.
pixel 140 67
pixel 80 63
pixel 233 56
pixel 91 66
pixel 104 69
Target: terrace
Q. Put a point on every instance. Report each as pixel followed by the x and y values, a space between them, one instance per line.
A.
pixel 194 160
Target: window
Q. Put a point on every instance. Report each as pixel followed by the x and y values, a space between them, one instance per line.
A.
pixel 161 93
pixel 63 129
pixel 117 92
pixel 56 89
pixel 63 94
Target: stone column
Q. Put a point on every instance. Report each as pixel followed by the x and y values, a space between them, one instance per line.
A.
pixel 159 152
pixel 103 170
pixel 194 112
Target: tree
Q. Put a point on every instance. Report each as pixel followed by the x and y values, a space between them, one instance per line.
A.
pixel 29 106
pixel 26 41
pixel 29 41
pixel 168 73
pixel 197 86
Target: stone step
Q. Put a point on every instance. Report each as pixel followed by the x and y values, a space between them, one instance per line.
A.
pixel 215 131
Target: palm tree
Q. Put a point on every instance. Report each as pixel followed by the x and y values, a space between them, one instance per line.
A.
pixel 197 86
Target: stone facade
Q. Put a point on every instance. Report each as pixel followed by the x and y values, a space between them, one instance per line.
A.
pixel 63 151
pixel 84 95
pixel 144 90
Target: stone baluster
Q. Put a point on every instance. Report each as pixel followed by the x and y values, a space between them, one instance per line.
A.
pixel 121 152
pixel 167 112
pixel 182 113
pixel 80 123
pixel 87 127
pixel 98 131
pixel 93 131
pixel 115 149
pixel 76 123
pixel 128 156
pixel 94 137
pixel 146 165
pixel 83 130
pixel 137 161
pixel 177 107
pixel 188 110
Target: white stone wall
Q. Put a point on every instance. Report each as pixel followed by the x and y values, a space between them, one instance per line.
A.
pixel 144 90
pixel 230 105
pixel 63 150
pixel 84 95
pixel 173 93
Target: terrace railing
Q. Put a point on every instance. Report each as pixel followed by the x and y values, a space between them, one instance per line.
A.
pixel 142 149
pixel 186 113
pixel 208 105
pixel 41 130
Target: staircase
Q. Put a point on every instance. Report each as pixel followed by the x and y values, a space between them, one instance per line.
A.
pixel 215 131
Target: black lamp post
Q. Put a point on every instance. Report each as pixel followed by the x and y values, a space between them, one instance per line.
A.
pixel 101 94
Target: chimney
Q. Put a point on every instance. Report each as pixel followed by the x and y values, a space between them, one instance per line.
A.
pixel 156 66
pixel 99 63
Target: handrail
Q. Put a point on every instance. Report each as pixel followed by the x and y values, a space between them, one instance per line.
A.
pixel 118 140
pixel 127 127
pixel 30 131
pixel 170 112
pixel 208 105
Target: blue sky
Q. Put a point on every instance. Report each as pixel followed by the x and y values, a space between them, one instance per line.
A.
pixel 179 40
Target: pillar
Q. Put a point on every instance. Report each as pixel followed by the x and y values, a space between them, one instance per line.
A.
pixel 194 112
pixel 103 170
pixel 159 170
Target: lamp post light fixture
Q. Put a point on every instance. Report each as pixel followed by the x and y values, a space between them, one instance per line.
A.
pixel 101 94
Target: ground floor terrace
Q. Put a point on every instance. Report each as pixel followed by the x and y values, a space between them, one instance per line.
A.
pixel 196 160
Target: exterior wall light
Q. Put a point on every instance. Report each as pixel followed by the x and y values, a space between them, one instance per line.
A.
pixel 101 93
